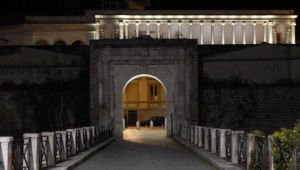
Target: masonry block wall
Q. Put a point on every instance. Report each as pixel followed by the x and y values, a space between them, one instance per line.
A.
pixel 43 88
pixel 249 87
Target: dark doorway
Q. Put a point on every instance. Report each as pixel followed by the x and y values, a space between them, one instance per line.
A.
pixel 132 117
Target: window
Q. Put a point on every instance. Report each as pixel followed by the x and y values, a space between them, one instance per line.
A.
pixel 153 92
pixel 77 43
pixel 60 42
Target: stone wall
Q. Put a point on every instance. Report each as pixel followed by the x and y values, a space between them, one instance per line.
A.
pixel 43 88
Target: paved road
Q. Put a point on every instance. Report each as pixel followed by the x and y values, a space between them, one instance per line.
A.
pixel 145 149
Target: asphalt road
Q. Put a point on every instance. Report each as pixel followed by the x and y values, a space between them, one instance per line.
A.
pixel 145 149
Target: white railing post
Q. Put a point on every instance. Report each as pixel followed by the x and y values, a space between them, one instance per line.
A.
pixel 213 140
pixel 270 151
pixel 138 124
pixel 250 147
pixel 222 142
pixel 200 144
pixel 35 149
pixel 50 148
pixel 63 146
pixel 165 122
pixel 206 147
pixel 88 137
pixel 235 146
pixel 6 152
pixel 73 140
pixel 196 138
pixel 93 138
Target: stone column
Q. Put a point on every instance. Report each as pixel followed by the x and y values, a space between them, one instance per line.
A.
pixel 196 138
pixel 63 146
pixel 235 146
pixel 35 150
pixel 97 30
pixel 148 28
pixel 169 29
pixel 274 36
pixel 191 29
pixel 212 26
pixel 223 31
pixel 254 32
pixel 287 35
pixel 137 29
pixel 6 152
pixel 201 32
pixel 244 32
pixel 250 147
pixel 126 30
pixel 222 143
pixel 206 139
pixel 265 31
pixel 233 32
pixel 213 140
pixel 270 32
pixel 73 140
pixel 158 30
pixel 121 30
pixel 293 33
pixel 179 29
pixel 200 144
pixel 50 148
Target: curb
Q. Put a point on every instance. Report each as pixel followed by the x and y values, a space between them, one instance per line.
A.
pixel 212 158
pixel 74 161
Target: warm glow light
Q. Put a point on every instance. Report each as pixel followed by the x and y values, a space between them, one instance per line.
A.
pixel 143 75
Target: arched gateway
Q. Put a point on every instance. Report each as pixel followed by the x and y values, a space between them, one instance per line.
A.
pixel 115 62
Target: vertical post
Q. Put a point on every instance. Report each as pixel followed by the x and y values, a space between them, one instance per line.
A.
pixel 201 32
pixel 158 30
pixel 212 32
pixel 244 32
pixel 6 152
pixel 81 143
pixel 192 134
pixel 179 29
pixel 50 148
pixel 63 145
pixel 73 140
pixel 200 144
pixel 213 140
pixel 293 33
pixel 165 122
pixel 265 31
pixel 250 147
pixel 206 138
pixel 191 29
pixel 97 30
pixel 93 137
pixel 233 32
pixel 270 152
pixel 274 36
pixel 254 32
pixel 151 124
pixel 171 124
pixel 102 36
pixel 222 142
pixel 121 29
pixel 35 149
pixel 169 29
pixel 138 124
pixel 287 35
pixel 148 28
pixel 196 138
pixel 88 136
pixel 235 146
pixel 123 123
pixel 223 31
pixel 270 32
pixel 126 30
pixel 137 29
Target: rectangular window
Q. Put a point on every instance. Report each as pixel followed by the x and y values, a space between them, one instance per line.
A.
pixel 153 93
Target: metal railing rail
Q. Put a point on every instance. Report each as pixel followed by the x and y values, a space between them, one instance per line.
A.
pixel 21 153
pixel 44 147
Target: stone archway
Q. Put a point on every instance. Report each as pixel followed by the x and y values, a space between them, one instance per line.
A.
pixel 114 62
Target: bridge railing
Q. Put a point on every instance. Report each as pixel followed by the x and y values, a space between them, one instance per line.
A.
pixel 234 146
pixel 41 150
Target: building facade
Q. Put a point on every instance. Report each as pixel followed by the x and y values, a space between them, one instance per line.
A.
pixel 208 27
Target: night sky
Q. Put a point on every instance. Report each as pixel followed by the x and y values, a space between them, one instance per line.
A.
pixel 18 8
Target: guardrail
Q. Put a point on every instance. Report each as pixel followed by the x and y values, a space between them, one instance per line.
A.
pixel 234 146
pixel 41 150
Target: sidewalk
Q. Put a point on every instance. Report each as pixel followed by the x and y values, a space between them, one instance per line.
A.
pixel 74 161
pixel 212 158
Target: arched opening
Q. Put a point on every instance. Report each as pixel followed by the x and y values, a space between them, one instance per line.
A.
pixel 42 42
pixel 145 101
pixel 60 42
pixel 77 43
